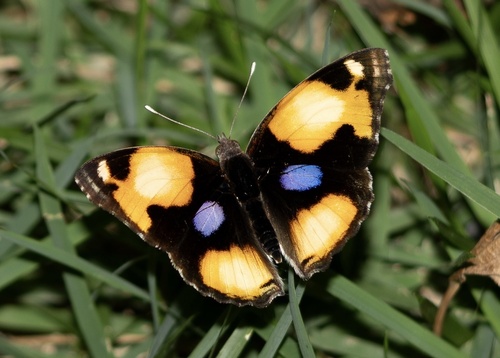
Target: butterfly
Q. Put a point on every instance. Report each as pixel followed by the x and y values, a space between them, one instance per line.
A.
pixel 299 192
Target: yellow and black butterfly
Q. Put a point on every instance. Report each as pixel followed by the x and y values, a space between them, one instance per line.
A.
pixel 300 191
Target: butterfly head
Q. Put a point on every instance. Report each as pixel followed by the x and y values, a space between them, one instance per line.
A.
pixel 227 148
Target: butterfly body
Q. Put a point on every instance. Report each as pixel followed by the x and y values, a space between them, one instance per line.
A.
pixel 300 191
pixel 239 172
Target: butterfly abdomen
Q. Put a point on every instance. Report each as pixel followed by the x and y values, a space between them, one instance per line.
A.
pixel 239 171
pixel 263 228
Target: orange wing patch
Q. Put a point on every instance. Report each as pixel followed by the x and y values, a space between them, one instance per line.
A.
pixel 317 230
pixel 158 176
pixel 240 272
pixel 313 111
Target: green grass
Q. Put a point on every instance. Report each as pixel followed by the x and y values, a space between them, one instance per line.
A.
pixel 75 78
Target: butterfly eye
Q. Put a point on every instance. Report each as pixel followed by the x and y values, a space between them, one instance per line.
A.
pixel 208 218
pixel 301 177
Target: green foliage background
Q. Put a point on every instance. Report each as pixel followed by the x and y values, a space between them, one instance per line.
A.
pixel 75 78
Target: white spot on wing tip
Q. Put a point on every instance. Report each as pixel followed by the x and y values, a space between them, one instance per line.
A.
pixel 103 171
pixel 355 67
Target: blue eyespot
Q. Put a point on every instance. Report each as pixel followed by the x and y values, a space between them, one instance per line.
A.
pixel 301 177
pixel 208 218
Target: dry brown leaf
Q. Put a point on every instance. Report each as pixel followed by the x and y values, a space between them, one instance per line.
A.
pixel 484 261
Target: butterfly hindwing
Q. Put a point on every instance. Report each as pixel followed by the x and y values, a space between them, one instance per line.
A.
pixel 177 201
pixel 313 222
pixel 312 151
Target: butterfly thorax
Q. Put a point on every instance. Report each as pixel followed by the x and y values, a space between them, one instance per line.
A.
pixel 240 174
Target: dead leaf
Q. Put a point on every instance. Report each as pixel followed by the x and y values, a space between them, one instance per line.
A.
pixel 484 261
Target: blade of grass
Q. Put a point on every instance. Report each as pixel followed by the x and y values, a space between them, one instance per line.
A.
pixel 234 345
pixel 490 306
pixel 166 337
pixel 302 336
pixel 484 342
pixel 381 207
pixel 48 47
pixel 65 171
pixel 15 268
pixel 420 337
pixel 24 219
pixel 214 116
pixel 426 9
pixel 469 187
pixel 464 183
pixel 166 332
pixel 486 41
pixel 139 350
pixel 280 330
pixel 153 290
pixel 107 36
pixel 460 23
pixel 211 337
pixel 82 304
pixel 74 262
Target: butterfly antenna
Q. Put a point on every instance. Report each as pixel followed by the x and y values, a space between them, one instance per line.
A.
pixel 252 69
pixel 179 123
